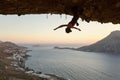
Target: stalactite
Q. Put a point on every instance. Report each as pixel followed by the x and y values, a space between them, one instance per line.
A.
pixel 47 16
pixel 65 16
pixel 60 15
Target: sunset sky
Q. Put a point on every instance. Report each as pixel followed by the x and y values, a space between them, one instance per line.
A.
pixel 39 29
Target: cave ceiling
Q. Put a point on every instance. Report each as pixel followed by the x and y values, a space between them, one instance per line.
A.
pixel 103 11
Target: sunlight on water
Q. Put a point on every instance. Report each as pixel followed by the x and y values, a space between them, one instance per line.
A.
pixel 75 65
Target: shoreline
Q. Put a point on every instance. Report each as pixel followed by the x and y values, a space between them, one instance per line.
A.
pixel 12 64
pixel 12 67
pixel 42 75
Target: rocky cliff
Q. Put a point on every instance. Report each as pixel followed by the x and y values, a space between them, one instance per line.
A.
pixel 103 11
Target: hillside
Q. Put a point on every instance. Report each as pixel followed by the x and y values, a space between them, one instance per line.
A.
pixel 9 66
pixel 12 64
pixel 110 44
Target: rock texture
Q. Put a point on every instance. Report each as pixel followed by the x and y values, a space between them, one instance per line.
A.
pixel 103 11
pixel 110 44
pixel 10 65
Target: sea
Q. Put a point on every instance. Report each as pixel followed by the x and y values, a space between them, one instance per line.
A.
pixel 74 65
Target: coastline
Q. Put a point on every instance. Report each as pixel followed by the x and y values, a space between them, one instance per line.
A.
pixel 42 75
pixel 12 65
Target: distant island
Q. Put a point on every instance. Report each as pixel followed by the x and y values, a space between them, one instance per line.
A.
pixel 36 45
pixel 110 44
pixel 64 48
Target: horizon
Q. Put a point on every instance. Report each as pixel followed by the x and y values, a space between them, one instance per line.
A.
pixel 35 29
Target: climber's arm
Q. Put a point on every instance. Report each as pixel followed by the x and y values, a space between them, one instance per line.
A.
pixel 76 28
pixel 60 27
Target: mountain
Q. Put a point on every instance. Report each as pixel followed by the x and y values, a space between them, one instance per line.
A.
pixel 0 41
pixel 8 44
pixel 10 48
pixel 110 44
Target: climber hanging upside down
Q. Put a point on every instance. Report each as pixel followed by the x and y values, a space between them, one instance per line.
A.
pixel 70 25
pixel 75 11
